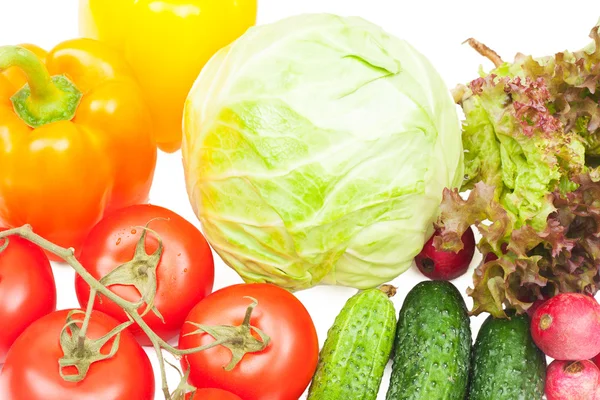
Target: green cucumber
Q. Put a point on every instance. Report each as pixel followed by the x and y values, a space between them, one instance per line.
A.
pixel 432 346
pixel 507 365
pixel 357 348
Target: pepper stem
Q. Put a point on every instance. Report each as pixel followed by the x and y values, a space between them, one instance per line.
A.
pixel 44 99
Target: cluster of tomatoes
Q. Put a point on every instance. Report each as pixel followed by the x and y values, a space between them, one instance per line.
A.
pixel 31 328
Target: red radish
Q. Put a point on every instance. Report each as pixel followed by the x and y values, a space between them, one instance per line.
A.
pixel 567 327
pixel 446 265
pixel 568 380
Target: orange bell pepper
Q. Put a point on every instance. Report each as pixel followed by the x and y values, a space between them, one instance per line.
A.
pixel 76 138
pixel 167 43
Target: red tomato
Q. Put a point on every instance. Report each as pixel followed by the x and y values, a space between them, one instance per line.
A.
pixel 31 371
pixel 212 394
pixel 185 273
pixel 282 371
pixel 27 289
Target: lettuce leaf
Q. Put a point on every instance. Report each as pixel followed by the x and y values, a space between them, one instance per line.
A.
pixel 531 136
pixel 514 143
pixel 531 264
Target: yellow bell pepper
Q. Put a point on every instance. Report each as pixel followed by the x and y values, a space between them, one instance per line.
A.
pixel 167 42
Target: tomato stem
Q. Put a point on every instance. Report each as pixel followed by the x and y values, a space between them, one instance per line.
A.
pixel 83 359
pixel 163 374
pixel 238 339
pixel 45 99
pixel 183 387
pixel 86 320
pixel 3 244
pixel 249 310
pixel 140 272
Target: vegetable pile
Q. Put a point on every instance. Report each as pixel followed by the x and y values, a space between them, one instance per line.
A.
pixel 532 141
pixel 433 356
pixel 316 149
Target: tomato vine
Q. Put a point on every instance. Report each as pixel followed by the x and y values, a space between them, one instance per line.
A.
pixel 239 339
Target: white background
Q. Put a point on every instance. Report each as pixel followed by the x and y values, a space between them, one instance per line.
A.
pixel 436 28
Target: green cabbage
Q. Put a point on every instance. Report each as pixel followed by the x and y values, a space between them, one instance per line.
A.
pixel 316 150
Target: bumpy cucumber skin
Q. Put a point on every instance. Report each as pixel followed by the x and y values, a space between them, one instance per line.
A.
pixel 356 350
pixel 507 365
pixel 432 346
